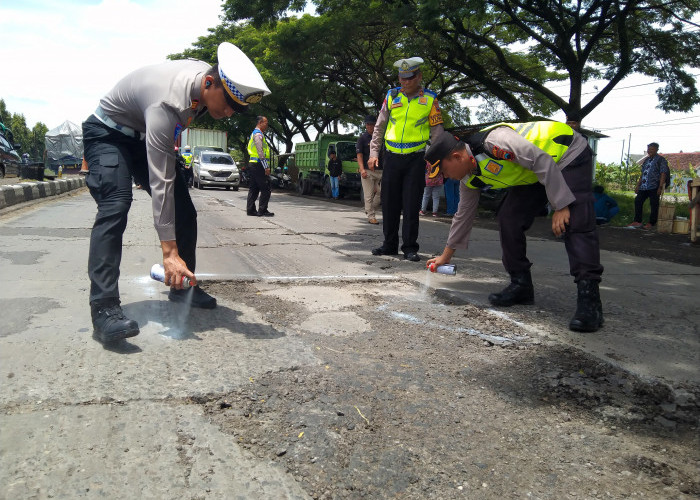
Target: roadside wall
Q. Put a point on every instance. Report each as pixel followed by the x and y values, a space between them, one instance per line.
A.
pixel 26 191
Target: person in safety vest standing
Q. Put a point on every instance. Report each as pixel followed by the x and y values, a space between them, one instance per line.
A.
pixel 133 132
pixel 537 161
pixel 409 117
pixel 259 170
pixel 187 167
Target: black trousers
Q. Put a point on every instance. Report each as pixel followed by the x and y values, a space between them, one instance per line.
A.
pixel 403 181
pixel 113 159
pixel 523 203
pixel 642 196
pixel 258 184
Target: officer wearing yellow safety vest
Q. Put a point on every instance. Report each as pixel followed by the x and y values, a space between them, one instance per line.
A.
pixel 259 170
pixel 187 156
pixel 409 117
pixel 537 161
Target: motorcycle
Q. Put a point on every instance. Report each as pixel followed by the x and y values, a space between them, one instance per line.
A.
pixel 280 179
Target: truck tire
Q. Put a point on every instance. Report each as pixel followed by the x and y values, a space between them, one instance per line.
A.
pixel 308 187
pixel 327 189
pixel 300 186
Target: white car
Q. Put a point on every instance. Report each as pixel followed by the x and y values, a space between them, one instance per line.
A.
pixel 215 169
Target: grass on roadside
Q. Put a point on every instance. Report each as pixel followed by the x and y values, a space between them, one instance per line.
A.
pixel 625 200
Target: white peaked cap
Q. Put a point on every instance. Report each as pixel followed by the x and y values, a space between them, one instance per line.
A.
pixel 240 77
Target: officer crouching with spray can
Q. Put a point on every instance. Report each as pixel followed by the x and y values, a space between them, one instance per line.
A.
pixel 537 161
pixel 133 133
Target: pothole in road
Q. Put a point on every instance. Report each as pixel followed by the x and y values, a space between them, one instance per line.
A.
pixel 415 406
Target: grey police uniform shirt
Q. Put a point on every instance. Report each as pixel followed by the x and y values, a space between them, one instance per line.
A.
pixel 158 101
pixel 528 156
pixel 380 128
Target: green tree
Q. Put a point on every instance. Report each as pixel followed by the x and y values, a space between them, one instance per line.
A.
pixel 513 49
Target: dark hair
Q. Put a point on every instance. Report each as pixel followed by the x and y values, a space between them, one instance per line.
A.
pixel 598 189
pixel 214 73
pixel 653 145
pixel 260 119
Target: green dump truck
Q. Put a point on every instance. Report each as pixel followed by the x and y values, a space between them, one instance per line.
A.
pixel 312 163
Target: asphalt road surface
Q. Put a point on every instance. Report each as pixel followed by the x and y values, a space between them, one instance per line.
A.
pixel 326 372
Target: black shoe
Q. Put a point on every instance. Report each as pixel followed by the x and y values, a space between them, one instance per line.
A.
pixel 519 291
pixel 412 256
pixel 384 251
pixel 195 296
pixel 252 214
pixel 265 213
pixel 589 309
pixel 110 324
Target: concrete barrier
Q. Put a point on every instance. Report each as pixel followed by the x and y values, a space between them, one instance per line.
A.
pixel 26 191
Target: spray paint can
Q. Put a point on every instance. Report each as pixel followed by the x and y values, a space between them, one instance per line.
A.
pixel 158 274
pixel 450 269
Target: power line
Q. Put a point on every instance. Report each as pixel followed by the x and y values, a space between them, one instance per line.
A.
pixel 665 122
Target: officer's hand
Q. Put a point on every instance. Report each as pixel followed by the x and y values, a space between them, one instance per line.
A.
pixel 441 259
pixel 372 162
pixel 175 269
pixel 560 219
pixel 267 171
pixel 363 173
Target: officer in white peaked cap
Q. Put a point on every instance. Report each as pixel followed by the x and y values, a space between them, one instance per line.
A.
pixel 409 117
pixel 133 134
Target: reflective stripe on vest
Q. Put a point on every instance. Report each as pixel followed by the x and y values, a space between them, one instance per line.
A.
pixel 553 138
pixel 408 128
pixel 253 150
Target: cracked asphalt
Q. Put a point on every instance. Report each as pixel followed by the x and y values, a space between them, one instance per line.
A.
pixel 326 372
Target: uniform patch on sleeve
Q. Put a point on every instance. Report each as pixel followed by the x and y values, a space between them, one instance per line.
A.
pixel 435 114
pixel 493 167
pixel 502 154
pixel 178 129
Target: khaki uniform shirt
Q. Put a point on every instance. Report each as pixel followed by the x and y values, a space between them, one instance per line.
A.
pixel 159 101
pixel 528 156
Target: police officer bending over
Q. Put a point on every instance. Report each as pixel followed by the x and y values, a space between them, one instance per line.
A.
pixel 133 133
pixel 537 161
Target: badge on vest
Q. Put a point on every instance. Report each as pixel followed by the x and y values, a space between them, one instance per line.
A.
pixel 422 100
pixel 493 167
pixel 502 154
pixel 396 103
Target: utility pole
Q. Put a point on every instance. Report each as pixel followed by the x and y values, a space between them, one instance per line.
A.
pixel 627 173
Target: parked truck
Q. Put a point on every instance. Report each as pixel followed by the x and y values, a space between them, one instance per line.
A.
pixel 200 139
pixel 312 163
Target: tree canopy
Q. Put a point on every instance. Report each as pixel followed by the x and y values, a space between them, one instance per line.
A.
pixel 332 67
pixel 30 141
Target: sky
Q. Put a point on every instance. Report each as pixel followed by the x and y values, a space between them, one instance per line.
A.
pixel 58 58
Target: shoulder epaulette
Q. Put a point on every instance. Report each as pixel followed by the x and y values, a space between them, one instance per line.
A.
pixel 430 92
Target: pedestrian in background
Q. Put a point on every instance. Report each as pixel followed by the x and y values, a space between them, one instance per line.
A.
pixel 259 171
pixel 605 206
pixel 433 187
pixel 335 169
pixel 410 116
pixel 133 133
pixel 651 185
pixel 371 177
pixel 451 196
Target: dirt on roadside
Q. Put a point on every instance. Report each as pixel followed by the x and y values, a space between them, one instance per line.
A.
pixel 415 398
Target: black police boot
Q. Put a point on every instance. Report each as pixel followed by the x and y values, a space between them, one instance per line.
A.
pixel 519 291
pixel 109 322
pixel 195 296
pixel 589 309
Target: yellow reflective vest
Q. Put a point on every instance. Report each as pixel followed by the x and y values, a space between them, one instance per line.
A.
pixel 253 150
pixel 553 138
pixel 408 128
